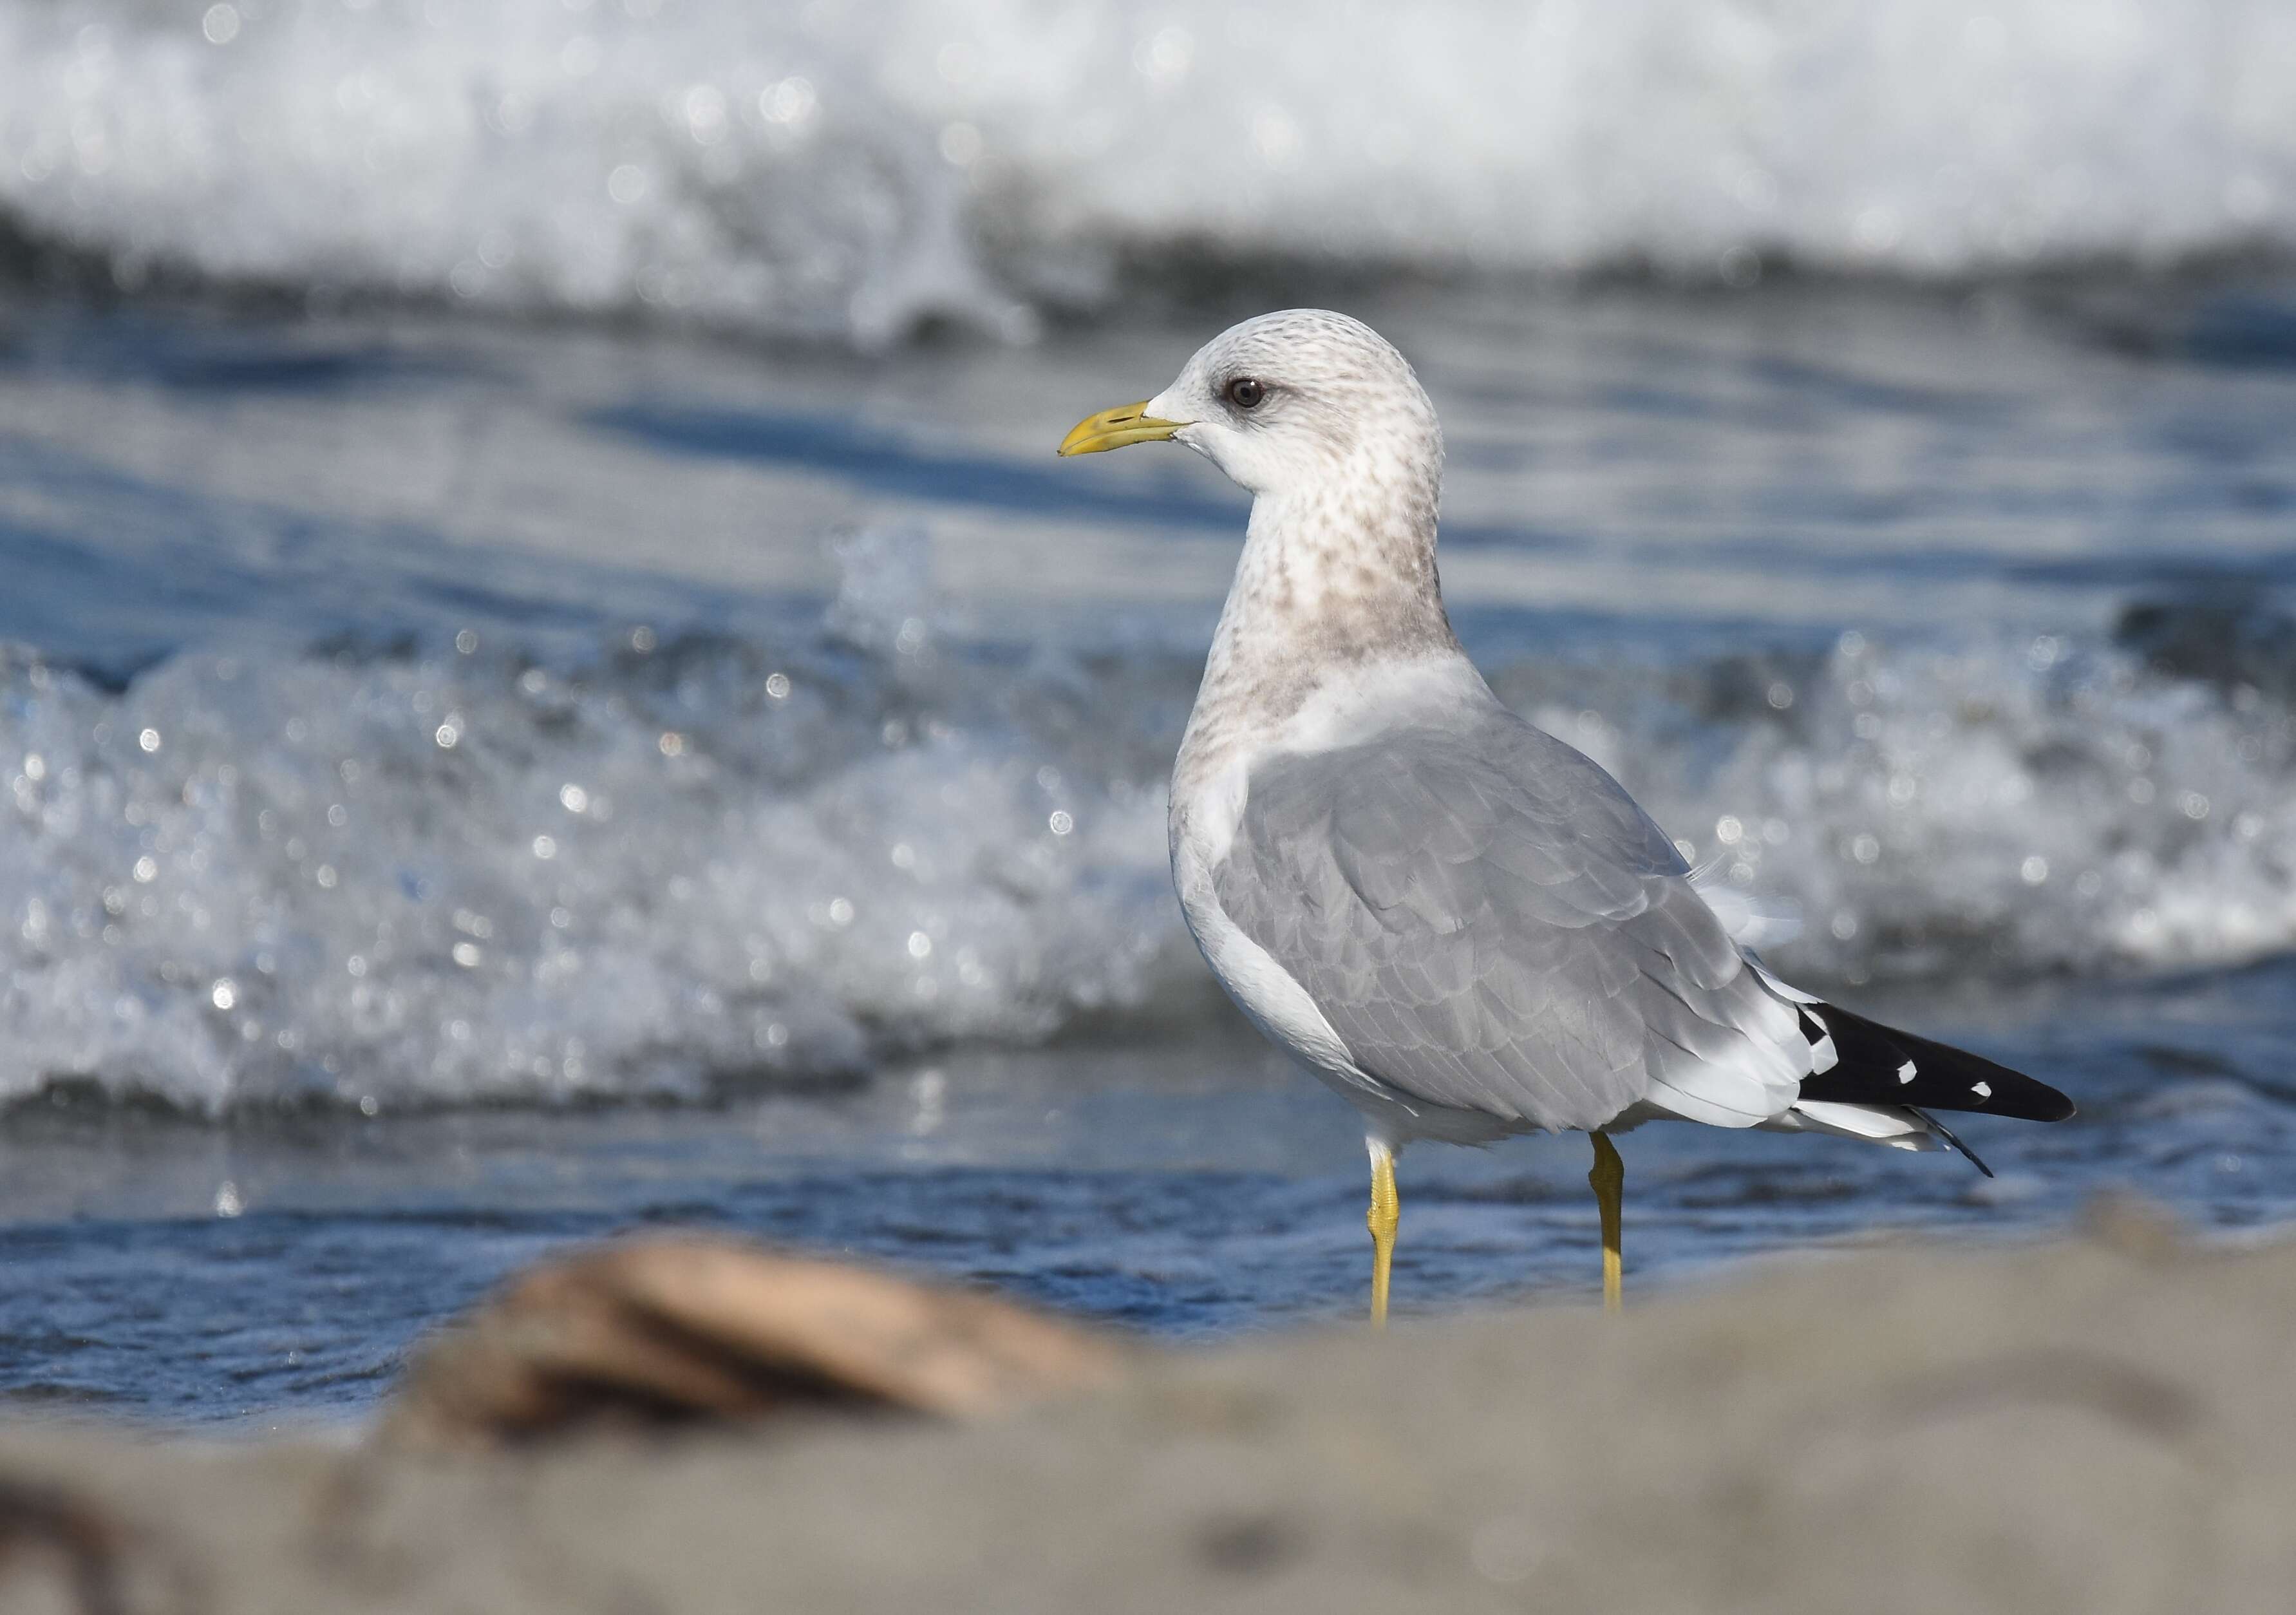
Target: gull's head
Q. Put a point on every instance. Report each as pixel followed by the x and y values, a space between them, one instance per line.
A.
pixel 1299 400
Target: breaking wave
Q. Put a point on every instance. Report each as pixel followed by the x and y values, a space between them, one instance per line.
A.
pixel 380 878
pixel 848 169
pixel 2013 806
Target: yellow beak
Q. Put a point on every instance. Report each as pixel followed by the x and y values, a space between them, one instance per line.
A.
pixel 1126 423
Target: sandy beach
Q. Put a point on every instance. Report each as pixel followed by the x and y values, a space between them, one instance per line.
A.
pixel 2100 1424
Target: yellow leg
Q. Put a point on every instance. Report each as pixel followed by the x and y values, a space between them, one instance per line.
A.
pixel 1608 1178
pixel 1386 1212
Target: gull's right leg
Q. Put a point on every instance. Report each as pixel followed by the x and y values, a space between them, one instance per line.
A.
pixel 1608 1178
pixel 1386 1212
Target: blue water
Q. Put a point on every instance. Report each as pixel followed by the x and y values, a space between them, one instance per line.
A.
pixel 409 862
pixel 1133 1195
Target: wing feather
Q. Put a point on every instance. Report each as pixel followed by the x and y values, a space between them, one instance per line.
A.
pixel 1489 923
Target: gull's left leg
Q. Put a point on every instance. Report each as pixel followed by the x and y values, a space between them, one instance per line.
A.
pixel 1386 1212
pixel 1608 1178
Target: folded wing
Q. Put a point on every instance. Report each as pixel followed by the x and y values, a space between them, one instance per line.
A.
pixel 1489 923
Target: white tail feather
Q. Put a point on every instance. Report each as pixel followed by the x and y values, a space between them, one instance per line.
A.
pixel 1897 1126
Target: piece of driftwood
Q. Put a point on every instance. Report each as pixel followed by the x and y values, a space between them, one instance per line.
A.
pixel 696 1330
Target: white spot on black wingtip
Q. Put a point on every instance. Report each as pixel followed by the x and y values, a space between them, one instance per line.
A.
pixel 1983 1090
pixel 1906 1072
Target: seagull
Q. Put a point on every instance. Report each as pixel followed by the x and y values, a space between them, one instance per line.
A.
pixel 1461 924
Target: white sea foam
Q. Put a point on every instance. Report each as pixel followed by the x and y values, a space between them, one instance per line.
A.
pixel 2009 807
pixel 460 876
pixel 379 879
pixel 848 168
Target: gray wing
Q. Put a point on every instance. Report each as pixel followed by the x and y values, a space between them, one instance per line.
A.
pixel 1489 923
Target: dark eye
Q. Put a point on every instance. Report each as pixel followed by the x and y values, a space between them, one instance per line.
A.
pixel 1245 393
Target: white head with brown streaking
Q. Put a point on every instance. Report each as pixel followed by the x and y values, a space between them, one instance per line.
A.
pixel 1324 423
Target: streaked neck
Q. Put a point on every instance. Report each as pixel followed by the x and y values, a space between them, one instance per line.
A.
pixel 1329 583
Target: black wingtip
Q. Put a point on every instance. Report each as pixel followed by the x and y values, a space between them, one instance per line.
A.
pixel 1877 1064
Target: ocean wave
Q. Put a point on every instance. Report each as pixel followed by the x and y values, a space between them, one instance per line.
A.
pixel 849 170
pixel 2009 806
pixel 382 879
pixel 387 877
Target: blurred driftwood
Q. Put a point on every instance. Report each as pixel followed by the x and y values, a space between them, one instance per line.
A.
pixel 682 1329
